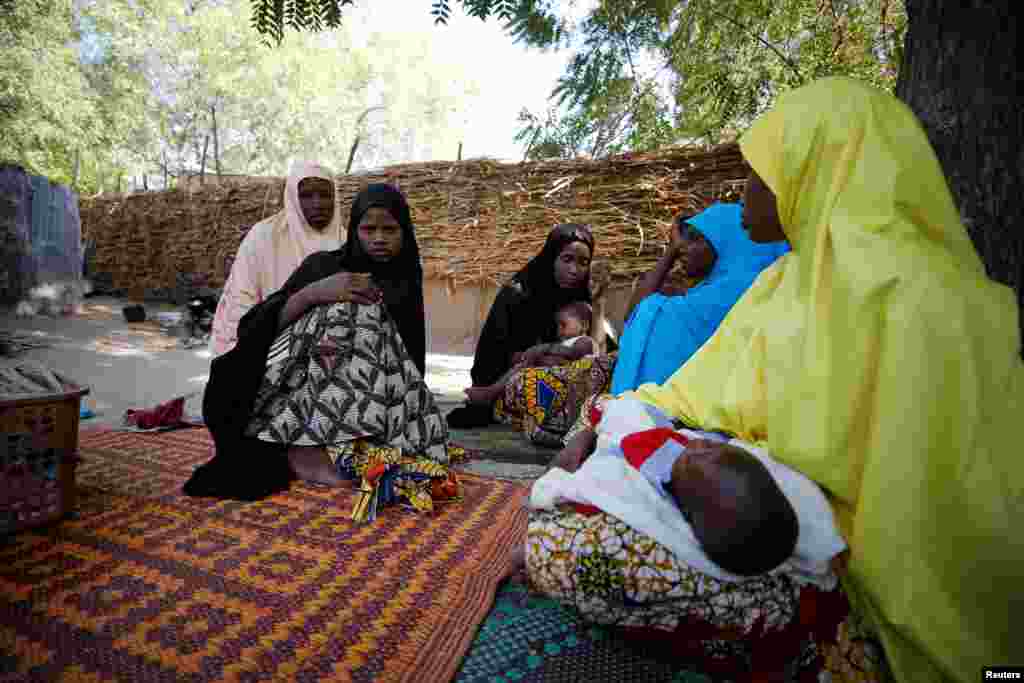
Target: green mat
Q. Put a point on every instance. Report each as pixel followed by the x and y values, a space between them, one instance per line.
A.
pixel 532 639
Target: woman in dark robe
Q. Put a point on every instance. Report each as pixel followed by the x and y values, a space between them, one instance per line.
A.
pixel 326 381
pixel 523 313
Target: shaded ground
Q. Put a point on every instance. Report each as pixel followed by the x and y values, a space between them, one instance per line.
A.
pixel 135 366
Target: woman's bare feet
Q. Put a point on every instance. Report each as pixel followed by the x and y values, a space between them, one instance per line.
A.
pixel 314 465
pixel 483 394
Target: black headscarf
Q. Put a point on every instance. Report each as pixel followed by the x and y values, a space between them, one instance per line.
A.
pixel 538 276
pixel 401 278
pixel 523 313
pixel 235 377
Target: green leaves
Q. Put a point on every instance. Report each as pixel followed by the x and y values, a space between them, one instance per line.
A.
pixel 712 65
pixel 47 108
pixel 270 18
pixel 536 25
pixel 697 68
pixel 441 10
pixel 158 72
pixel 732 57
pixel 484 9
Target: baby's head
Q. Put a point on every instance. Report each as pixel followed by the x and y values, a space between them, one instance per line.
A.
pixel 574 320
pixel 741 518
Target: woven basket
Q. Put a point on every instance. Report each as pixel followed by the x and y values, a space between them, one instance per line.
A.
pixel 38 455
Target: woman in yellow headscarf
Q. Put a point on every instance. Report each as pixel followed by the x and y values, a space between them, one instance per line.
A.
pixel 879 360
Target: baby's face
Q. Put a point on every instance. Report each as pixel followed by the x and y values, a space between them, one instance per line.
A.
pixel 700 461
pixel 701 485
pixel 570 326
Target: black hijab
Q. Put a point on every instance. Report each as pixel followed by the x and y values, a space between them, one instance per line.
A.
pixel 544 297
pixel 539 274
pixel 523 313
pixel 236 376
pixel 401 278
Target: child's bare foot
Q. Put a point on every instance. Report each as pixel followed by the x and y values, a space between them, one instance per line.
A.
pixel 483 394
pixel 314 465
pixel 516 562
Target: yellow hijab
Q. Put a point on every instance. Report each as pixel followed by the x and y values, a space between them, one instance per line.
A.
pixel 878 359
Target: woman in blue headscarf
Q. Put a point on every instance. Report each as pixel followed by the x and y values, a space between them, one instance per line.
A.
pixel 664 329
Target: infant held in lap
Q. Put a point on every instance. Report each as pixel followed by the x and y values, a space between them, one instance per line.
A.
pixel 741 518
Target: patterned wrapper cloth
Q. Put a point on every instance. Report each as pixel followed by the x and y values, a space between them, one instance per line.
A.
pixel 386 476
pixel 341 378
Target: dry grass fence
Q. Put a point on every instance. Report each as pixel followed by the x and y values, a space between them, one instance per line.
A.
pixel 476 220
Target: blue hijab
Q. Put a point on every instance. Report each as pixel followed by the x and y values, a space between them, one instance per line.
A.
pixel 664 331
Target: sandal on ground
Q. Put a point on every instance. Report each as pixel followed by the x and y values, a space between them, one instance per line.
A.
pixel 546 439
pixel 470 416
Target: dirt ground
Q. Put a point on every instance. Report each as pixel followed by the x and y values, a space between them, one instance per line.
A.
pixel 137 366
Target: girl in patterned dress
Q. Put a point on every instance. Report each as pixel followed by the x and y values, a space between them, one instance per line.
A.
pixel 326 381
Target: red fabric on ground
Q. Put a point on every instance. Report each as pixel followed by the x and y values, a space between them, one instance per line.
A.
pixel 164 415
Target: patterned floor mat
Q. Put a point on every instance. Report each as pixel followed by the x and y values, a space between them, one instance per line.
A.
pixel 532 639
pixel 143 584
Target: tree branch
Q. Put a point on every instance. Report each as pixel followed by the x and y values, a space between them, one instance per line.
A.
pixel 629 57
pixel 785 60
pixel 357 140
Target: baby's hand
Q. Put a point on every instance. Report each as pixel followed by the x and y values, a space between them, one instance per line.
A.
pixel 575 452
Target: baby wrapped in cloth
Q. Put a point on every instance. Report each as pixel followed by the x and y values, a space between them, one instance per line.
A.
pixel 630 476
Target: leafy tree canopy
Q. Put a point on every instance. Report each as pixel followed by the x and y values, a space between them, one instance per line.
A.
pixel 96 93
pixel 645 73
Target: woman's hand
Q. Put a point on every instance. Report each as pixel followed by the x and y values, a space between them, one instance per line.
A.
pixel 528 359
pixel 530 356
pixel 676 241
pixel 673 289
pixel 600 279
pixel 357 288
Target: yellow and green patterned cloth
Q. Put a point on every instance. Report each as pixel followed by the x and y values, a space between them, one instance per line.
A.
pixel 544 403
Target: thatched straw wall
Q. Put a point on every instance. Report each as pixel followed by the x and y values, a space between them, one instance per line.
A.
pixel 476 220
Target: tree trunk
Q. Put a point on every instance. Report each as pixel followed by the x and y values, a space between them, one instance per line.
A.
pixel 352 155
pixel 78 165
pixel 202 162
pixel 145 182
pixel 460 152
pixel 960 76
pixel 216 140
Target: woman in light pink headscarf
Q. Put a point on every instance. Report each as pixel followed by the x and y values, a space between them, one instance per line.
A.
pixel 274 248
